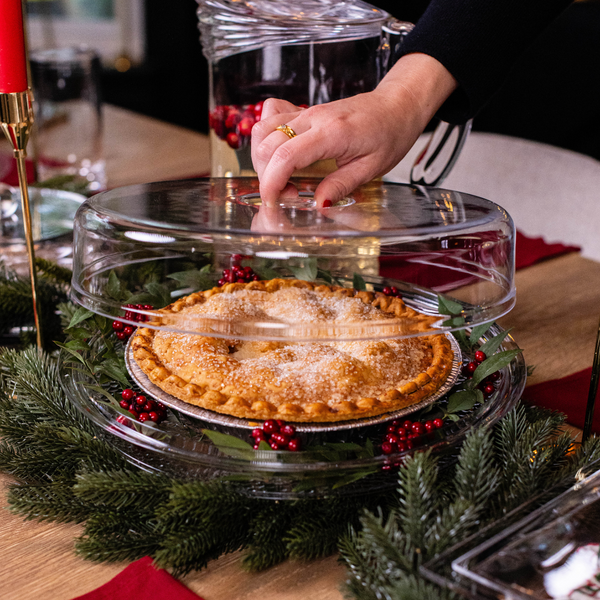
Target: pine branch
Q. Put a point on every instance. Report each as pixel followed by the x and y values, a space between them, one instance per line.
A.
pixel 122 489
pixel 121 535
pixel 267 545
pixel 201 521
pixel 418 495
pixel 50 502
pixel 51 270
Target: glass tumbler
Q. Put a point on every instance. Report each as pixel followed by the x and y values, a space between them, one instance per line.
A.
pixel 68 133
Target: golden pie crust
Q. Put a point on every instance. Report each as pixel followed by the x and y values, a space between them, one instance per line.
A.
pixel 295 381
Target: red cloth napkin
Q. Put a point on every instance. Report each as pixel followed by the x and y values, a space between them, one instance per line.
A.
pixel 568 395
pixel 531 250
pixel 445 269
pixel 12 177
pixel 141 581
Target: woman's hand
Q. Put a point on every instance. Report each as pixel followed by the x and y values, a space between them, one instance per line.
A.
pixel 367 134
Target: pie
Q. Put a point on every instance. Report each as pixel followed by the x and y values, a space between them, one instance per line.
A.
pixel 302 381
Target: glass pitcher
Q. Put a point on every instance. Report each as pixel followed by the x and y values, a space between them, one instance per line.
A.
pixel 307 52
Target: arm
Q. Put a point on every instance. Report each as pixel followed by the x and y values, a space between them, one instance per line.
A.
pixel 367 134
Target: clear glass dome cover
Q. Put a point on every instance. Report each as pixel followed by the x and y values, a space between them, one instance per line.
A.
pixel 230 26
pixel 151 244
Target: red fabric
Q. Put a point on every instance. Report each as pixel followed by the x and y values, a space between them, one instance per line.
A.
pixel 531 250
pixel 568 395
pixel 445 269
pixel 141 581
pixel 12 177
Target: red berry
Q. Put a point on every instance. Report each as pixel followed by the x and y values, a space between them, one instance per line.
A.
pixel 270 426
pixel 288 430
pixel 387 448
pixel 231 277
pixel 255 277
pixel 236 259
pixel 488 390
pixel 418 428
pixel 260 438
pixel 470 368
pixel 396 423
pixel 222 281
pixel 234 141
pixel 274 445
pixel 394 291
pixel 438 423
pixel 134 413
pixel 128 330
pixel 409 444
pixel 281 439
pixel 121 335
pixel 392 438
pixel 294 445
pixel 387 291
pixel 232 119
pixel 402 432
pixel 402 446
pixel 494 376
pixel 407 425
pixel 141 400
pixel 480 356
pixel 127 394
pixel 117 326
pixel 124 404
pixel 150 406
pixel 391 429
pixel 245 126
pixel 257 433
pixel 154 416
pixel 143 417
pixel 258 109
pixel 429 426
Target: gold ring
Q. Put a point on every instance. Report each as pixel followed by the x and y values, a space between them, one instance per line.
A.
pixel 287 130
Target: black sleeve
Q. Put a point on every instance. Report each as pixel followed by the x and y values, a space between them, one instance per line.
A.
pixel 479 41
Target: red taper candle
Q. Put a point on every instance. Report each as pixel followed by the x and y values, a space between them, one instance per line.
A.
pixel 13 67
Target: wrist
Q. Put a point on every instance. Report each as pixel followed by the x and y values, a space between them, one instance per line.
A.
pixel 420 80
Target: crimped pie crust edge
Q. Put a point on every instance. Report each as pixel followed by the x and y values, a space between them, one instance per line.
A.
pixel 413 392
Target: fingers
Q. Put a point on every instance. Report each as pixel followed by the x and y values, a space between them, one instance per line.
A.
pixel 341 183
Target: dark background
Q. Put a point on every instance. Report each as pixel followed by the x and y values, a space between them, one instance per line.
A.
pixel 551 96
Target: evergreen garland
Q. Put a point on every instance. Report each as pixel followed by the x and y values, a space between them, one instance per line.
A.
pixel 66 471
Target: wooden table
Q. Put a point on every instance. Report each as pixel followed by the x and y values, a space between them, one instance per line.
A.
pixel 555 320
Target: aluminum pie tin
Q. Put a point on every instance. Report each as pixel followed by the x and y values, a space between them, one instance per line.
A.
pixel 209 416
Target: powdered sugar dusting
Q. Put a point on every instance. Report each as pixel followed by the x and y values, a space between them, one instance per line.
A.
pixel 292 372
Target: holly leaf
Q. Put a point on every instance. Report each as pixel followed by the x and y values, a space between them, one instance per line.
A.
pixel 263 267
pixel 114 288
pixel 114 369
pixel 494 363
pixel 195 279
pixel 477 332
pixel 230 444
pixel 494 343
pixel 461 338
pixel 448 307
pixel 263 445
pixel 307 272
pixel 79 316
pixel 463 400
pixel 328 277
pixel 358 283
pixel 454 322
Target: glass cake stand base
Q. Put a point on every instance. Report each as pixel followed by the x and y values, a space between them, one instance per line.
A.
pixel 180 448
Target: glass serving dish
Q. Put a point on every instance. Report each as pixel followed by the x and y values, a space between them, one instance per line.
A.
pixel 136 249
pixel 551 553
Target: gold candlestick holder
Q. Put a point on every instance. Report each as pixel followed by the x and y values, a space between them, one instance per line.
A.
pixel 16 120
